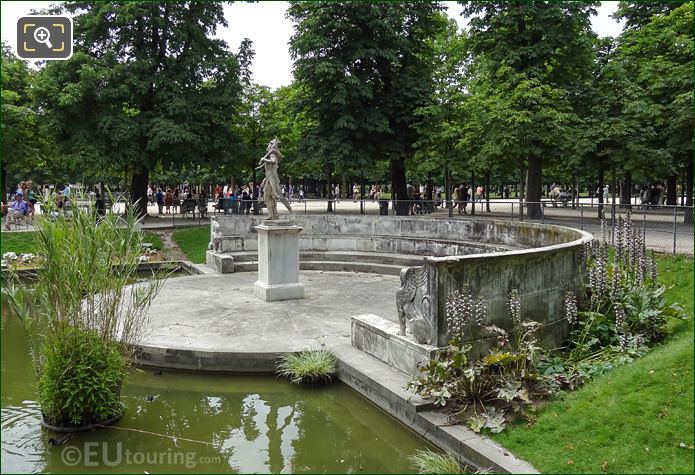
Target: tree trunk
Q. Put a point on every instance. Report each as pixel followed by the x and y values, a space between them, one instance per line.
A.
pixel 361 195
pixel 520 190
pixel 472 194
pixel 399 189
pixel 329 206
pixel 671 183
pixel 487 191
pixel 600 191
pixel 447 191
pixel 138 192
pixel 688 215
pixel 534 178
pixel 4 182
pixel 626 189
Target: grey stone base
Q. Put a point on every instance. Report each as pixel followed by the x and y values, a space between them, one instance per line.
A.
pixel 222 263
pixel 274 292
pixel 379 338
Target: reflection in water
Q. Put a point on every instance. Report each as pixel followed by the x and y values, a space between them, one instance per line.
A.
pixel 178 422
pixel 22 447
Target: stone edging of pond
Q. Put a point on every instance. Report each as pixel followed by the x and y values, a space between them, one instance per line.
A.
pixel 379 383
pixel 29 273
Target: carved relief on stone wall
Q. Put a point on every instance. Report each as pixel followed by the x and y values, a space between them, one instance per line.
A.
pixel 414 304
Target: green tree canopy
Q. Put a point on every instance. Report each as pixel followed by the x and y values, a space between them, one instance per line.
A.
pixel 538 53
pixel 147 85
pixel 363 69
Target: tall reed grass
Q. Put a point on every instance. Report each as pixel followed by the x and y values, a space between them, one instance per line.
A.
pixel 84 289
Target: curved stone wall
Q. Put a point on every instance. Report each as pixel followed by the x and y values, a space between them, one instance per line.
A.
pixel 404 235
pixel 491 256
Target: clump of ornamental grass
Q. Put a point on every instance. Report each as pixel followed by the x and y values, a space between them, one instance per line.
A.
pixel 308 366
pixel 429 461
pixel 82 315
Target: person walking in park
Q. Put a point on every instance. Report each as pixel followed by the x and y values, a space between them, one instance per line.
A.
pixel 168 201
pixel 464 196
pixel 160 200
pixel 100 206
pixel 31 199
pixel 479 194
pixel 176 200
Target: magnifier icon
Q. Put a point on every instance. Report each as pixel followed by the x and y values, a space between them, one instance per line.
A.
pixel 42 35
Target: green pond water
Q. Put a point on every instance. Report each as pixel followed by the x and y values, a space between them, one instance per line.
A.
pixel 204 423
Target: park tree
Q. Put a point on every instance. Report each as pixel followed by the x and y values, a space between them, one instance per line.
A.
pixel 441 121
pixel 147 85
pixel 544 49
pixel 252 126
pixel 24 145
pixel 290 122
pixel 658 58
pixel 364 69
pixel 638 14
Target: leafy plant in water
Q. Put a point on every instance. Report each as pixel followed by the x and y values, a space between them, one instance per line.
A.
pixel 81 379
pixel 82 291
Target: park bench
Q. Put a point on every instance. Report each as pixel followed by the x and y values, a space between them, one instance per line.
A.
pixel 188 206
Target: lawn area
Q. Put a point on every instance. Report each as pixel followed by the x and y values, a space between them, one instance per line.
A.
pixel 19 243
pixel 154 239
pixel 193 242
pixel 631 420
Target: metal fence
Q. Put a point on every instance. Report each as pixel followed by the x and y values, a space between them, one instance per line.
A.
pixel 666 228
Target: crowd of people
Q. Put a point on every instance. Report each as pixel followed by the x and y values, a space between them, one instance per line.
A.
pixel 247 198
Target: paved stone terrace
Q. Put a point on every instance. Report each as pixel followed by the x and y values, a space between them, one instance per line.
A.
pixel 219 313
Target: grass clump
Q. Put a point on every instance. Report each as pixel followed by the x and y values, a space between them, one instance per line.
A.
pixel 193 242
pixel 309 366
pixel 428 461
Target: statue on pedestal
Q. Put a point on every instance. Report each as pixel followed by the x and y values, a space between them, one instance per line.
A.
pixel 271 183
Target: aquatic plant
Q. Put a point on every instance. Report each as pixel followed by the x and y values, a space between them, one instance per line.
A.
pixel 308 366
pixel 429 461
pixel 82 316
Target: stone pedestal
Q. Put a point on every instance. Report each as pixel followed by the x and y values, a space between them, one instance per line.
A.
pixel 379 338
pixel 278 261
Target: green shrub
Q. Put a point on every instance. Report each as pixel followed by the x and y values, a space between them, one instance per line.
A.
pixel 427 461
pixel 309 366
pixel 81 379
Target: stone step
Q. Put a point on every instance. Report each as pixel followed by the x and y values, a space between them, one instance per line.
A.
pixel 333 266
pixel 376 380
pixel 342 256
